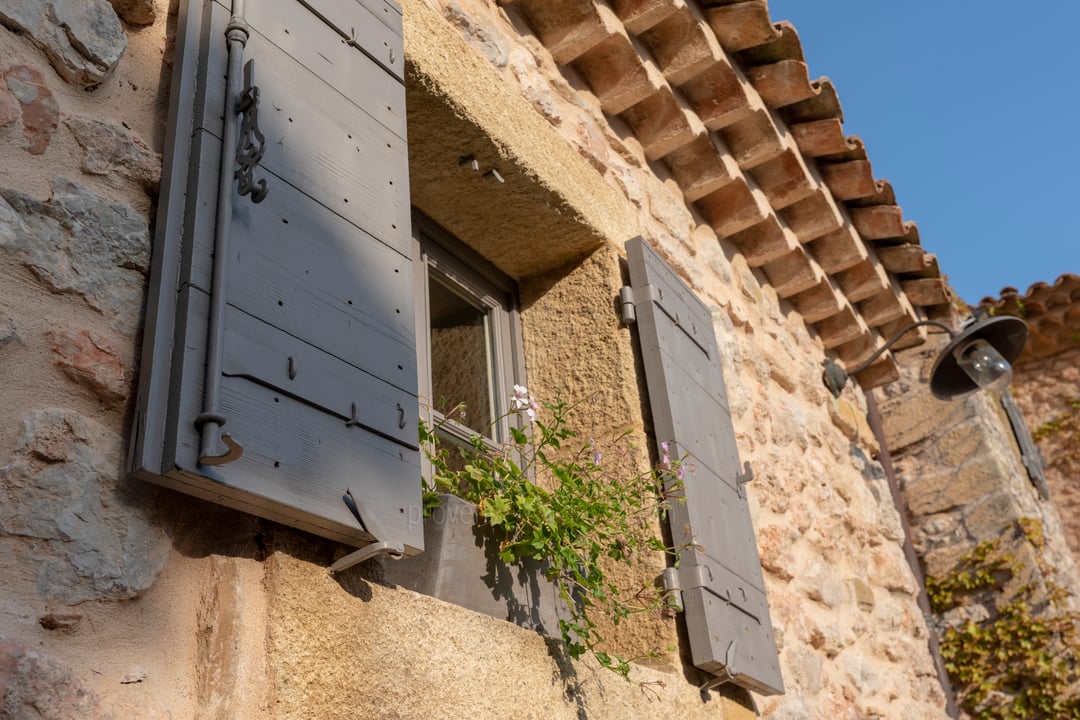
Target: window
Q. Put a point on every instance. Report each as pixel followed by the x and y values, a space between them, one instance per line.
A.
pixel 468 338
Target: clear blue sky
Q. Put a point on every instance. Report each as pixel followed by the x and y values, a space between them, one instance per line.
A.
pixel 972 111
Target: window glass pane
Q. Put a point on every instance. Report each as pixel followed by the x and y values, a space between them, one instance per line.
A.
pixel 461 357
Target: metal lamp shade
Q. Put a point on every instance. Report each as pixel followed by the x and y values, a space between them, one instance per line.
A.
pixel 1006 334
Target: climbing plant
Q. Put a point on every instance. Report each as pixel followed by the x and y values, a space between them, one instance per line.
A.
pixel 553 498
pixel 1023 661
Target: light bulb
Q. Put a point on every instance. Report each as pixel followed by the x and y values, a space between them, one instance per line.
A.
pixel 984 365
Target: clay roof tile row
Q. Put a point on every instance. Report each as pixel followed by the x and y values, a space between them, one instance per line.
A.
pixel 1052 313
pixel 721 94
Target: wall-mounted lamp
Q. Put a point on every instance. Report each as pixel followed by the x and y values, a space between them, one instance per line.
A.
pixel 978 357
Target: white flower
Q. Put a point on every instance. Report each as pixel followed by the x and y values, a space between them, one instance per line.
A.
pixel 522 401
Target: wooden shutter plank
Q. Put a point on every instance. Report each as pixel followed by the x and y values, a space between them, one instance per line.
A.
pixel 329 284
pixel 338 287
pixel 724 596
pixel 262 353
pixel 371 24
pixel 318 456
pixel 298 32
pixel 319 141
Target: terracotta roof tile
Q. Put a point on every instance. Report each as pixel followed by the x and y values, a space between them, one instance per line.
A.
pixel 817 138
pixel 793 273
pixel 702 166
pixel 618 74
pixel 1052 313
pixel 640 15
pixel 843 328
pixel 765 241
pixel 882 309
pixel 721 94
pixel 734 207
pixel 682 45
pixel 663 123
pixel 784 179
pixel 838 250
pixel 813 216
pixel 740 25
pixel 819 302
pixel 849 180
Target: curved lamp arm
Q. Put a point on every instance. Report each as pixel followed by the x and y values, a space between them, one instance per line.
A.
pixel 836 377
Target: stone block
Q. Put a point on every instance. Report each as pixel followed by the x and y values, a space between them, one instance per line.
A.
pixel 864 594
pixel 112 150
pixel 949 487
pixel 34 685
pixel 862 673
pixel 913 418
pixel 90 360
pixel 136 12
pixel 65 513
pixel 988 518
pixel 9 106
pixel 774 545
pixel 891 571
pixel 82 38
pixel 8 332
pixel 77 242
pixel 804 670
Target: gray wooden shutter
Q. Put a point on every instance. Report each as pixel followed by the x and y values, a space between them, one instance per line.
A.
pixel 318 375
pixel 723 594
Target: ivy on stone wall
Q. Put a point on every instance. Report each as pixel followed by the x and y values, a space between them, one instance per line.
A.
pixel 1065 424
pixel 1023 660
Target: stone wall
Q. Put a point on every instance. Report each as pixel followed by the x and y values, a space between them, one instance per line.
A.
pixel 128 600
pixel 963 483
pixel 1047 390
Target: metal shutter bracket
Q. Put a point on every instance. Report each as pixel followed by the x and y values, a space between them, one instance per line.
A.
pixel 238 162
pixel 393 548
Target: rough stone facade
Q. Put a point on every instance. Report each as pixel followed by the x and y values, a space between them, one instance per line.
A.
pixel 1046 384
pixel 964 483
pixel 125 600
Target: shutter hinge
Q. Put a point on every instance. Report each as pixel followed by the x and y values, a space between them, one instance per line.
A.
pixel 670 578
pixel 627 311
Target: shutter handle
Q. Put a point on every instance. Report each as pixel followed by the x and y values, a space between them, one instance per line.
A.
pixel 212 437
pixel 401 417
pixel 252 145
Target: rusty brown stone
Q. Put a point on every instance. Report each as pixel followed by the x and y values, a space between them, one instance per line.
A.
pixel 88 359
pixel 40 111
pixel 60 621
pixel 136 12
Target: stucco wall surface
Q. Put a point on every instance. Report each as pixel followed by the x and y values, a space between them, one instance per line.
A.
pixel 122 600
